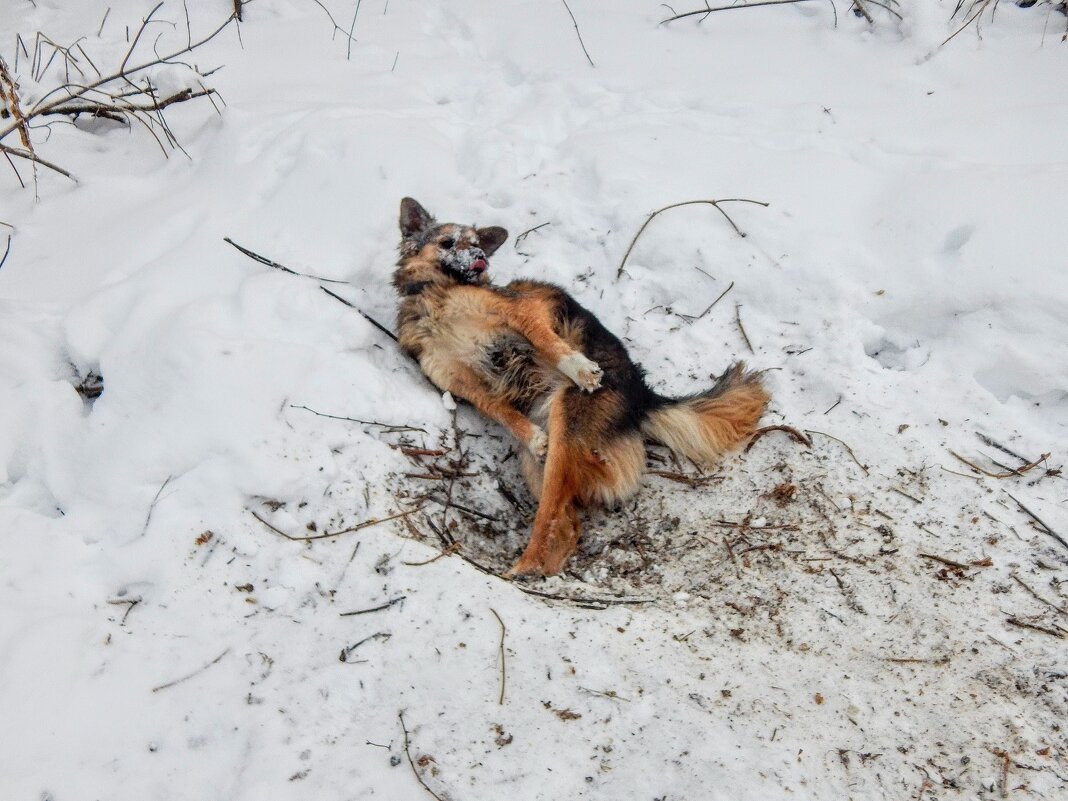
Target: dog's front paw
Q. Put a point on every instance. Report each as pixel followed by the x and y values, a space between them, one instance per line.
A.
pixel 585 373
pixel 538 444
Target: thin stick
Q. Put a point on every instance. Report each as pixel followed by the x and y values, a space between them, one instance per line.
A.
pixel 374 521
pixel 741 328
pixel 833 405
pixel 152 506
pixel 910 497
pixel 270 263
pixel 6 251
pixel 966 23
pixel 391 427
pixel 843 444
pixel 363 314
pixel 25 154
pixel 795 435
pixel 9 94
pixel 450 504
pixel 578 600
pixel 500 698
pixel 352 27
pixel 196 672
pixel 864 10
pixel 1023 624
pixel 379 608
pixel 1038 520
pixel 707 10
pixel 713 203
pixel 710 305
pixel 578 33
pixel 1008 474
pixel 995 444
pixel 411 762
pixel 945 561
pixel 527 233
pixel 1035 595
pixel 100 30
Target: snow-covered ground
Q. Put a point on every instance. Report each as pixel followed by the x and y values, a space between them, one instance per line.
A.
pixel 779 629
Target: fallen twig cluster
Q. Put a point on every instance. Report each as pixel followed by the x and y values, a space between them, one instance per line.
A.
pixel 125 94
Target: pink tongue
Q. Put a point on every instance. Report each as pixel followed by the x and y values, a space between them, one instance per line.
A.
pixel 478 265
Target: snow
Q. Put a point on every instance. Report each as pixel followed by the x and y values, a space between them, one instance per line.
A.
pixel 776 629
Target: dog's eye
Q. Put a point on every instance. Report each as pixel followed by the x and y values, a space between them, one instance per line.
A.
pixel 448 243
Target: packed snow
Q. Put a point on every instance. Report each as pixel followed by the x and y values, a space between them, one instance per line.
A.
pixel 249 552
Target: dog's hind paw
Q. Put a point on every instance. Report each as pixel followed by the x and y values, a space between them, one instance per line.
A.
pixel 585 373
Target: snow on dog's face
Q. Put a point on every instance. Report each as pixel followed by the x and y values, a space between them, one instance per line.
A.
pixel 456 252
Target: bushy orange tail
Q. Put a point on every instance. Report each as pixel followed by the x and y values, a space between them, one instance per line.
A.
pixel 702 427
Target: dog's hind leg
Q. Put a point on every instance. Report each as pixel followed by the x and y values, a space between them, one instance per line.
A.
pixel 556 524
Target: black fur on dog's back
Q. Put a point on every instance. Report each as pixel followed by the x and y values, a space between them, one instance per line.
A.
pixel 622 377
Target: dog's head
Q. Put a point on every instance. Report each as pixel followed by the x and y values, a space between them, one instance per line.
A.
pixel 442 253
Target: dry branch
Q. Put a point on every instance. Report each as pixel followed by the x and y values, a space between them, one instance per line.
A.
pixel 1008 474
pixel 843 444
pixel 411 761
pixel 578 33
pixel 704 12
pixel 713 203
pixel 500 698
pixel 124 94
pixel 795 435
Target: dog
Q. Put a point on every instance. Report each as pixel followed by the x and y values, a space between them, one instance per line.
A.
pixel 530 357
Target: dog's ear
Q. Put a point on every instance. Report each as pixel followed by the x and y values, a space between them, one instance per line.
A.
pixel 414 218
pixel 489 239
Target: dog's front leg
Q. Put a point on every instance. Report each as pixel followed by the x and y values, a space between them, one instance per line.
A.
pixel 533 320
pixel 468 386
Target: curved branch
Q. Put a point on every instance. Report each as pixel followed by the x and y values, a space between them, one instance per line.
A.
pixel 714 203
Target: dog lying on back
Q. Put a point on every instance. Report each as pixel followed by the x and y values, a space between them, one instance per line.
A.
pixel 531 358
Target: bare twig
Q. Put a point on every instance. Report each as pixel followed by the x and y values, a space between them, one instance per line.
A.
pixel 102 96
pixel 152 506
pixel 500 698
pixel 9 95
pixel 130 604
pixel 337 28
pixel 967 22
pixel 864 11
pixel 1038 520
pixel 391 428
pixel 352 27
pixel 843 444
pixel 379 608
pixel 584 600
pixel 411 761
pixel 374 521
pixel 196 672
pixel 7 249
pixel 578 33
pixel 362 313
pixel 993 443
pixel 1008 474
pixel 795 435
pixel 704 12
pixel 1023 624
pixel 29 156
pixel 951 562
pixel 527 233
pixel 710 305
pixel 713 203
pixel 1038 597
pixel 271 263
pixel 741 328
